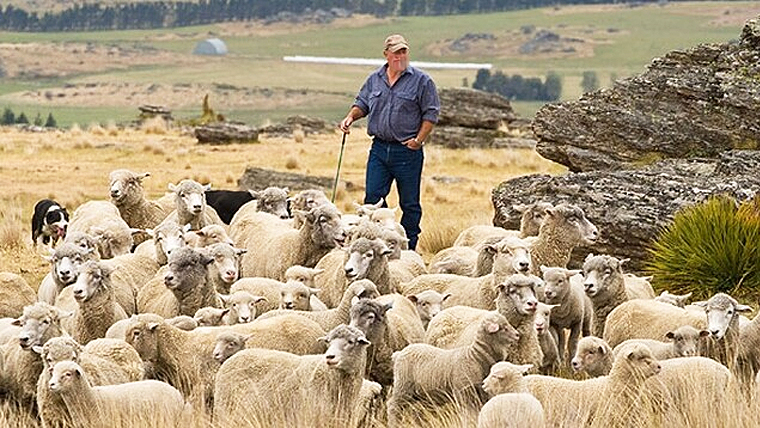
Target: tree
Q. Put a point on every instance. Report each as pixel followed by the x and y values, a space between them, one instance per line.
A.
pixel 552 87
pixel 51 123
pixel 22 118
pixel 38 119
pixel 482 77
pixel 8 117
pixel 590 81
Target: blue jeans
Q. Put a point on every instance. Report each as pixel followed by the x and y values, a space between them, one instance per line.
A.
pixel 394 161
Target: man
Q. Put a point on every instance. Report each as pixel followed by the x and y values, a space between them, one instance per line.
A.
pixel 402 106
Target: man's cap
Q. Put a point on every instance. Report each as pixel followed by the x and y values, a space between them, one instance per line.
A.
pixel 395 42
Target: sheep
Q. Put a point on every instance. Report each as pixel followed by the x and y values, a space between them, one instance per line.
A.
pixel 265 287
pixel 511 405
pixel 341 314
pixel 210 316
pixel 272 200
pixel 224 270
pixel 549 349
pixel 459 260
pixel 722 313
pixel 229 343
pixel 682 342
pixel 97 307
pixel 39 323
pixel 113 362
pixel 278 248
pixel 386 218
pixel 612 400
pixel 364 259
pixel 182 322
pixel 530 223
pixel 430 375
pixel 647 319
pixel 167 236
pixel 150 402
pixel 575 311
pixel 83 240
pixel 365 210
pixel 305 200
pixel 607 287
pixel 278 388
pixel 102 220
pixel 241 307
pixel 565 226
pixel 64 262
pixel 15 293
pixel 128 195
pixel 191 205
pixel 593 356
pixel 185 289
pixel 516 300
pixel 208 235
pixel 295 295
pixel 678 300
pixel 403 265
pixel 428 304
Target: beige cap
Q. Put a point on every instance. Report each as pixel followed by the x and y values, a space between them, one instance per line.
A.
pixel 395 42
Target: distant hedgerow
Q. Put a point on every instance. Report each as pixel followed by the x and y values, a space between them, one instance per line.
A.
pixel 709 248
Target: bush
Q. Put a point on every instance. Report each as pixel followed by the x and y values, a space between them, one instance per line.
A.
pixel 709 248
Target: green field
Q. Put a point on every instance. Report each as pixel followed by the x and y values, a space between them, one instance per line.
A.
pixel 625 39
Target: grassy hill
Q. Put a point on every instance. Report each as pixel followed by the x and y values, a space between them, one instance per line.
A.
pixel 157 67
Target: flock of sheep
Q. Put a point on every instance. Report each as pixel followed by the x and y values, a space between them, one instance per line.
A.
pixel 295 314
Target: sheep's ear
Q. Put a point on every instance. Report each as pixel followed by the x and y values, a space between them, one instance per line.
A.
pixel 153 326
pixel 17 322
pixel 412 298
pixel 172 188
pixel 684 297
pixel 254 194
pixel 206 187
pixel 670 335
pixel 240 251
pixel 224 298
pixel 573 272
pixel 286 189
pixel 206 260
pixel 623 261
pixel 363 341
pixel 257 299
pixel 248 336
pixel 64 314
pixel 589 256
pixel 525 368
pixel 323 340
pixel 445 296
pixel 602 350
pixel 544 269
pixel 492 327
pixel 143 176
pixel 225 311
pixel 317 271
pixel 313 290
pixel 704 333
pixel 151 233
pixel 387 307
pixel 743 308
pixel 702 304
pixel 134 230
pixel 37 349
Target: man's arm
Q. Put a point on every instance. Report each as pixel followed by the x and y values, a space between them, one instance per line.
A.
pixel 353 114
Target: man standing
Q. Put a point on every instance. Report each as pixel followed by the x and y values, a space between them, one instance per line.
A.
pixel 402 106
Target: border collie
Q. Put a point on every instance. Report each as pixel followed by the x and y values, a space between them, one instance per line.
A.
pixel 49 221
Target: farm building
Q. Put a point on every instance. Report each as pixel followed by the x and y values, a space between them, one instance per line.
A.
pixel 210 47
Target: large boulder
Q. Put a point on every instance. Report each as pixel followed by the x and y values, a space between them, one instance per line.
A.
pixel 630 207
pixel 693 103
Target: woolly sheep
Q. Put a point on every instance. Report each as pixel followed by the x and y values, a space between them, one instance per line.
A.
pixel 182 322
pixel 229 343
pixel 83 240
pixel 647 319
pixel 426 374
pixel 469 261
pixel 386 218
pixel 97 307
pixel 565 226
pixel 511 405
pixel 64 262
pixel 530 223
pixel 722 313
pixel 593 356
pixel 341 314
pixel 575 311
pixel 516 300
pixel 167 236
pixel 225 269
pixel 428 304
pixel 272 200
pixel 241 307
pixel 210 316
pixel 306 276
pixel 128 195
pixel 612 400
pixel 150 402
pixel 682 342
pixel 606 285
pixel 551 360
pixel 191 205
pixel 208 235
pixel 15 293
pixel 304 201
pixel 102 220
pixel 678 300
pixel 276 248
pixel 296 296
pixel 403 265
pixel 258 286
pixel 277 388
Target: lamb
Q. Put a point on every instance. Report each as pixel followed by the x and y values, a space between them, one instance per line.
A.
pixel 224 270
pixel 185 289
pixel 430 375
pixel 295 295
pixel 516 300
pixel 208 235
pixel 428 304
pixel 15 294
pixel 210 316
pixel 386 218
pixel 304 201
pixel 341 314
pixel 403 265
pixel 607 287
pixel 227 344
pixel 647 319
pixel 150 402
pixel 277 248
pixel 723 324
pixel 593 356
pixel 549 349
pixel 265 287
pixel 565 226
pixel 612 400
pixel 511 405
pixel 64 262
pixel 678 300
pixel 241 307
pixel 530 223
pixel 128 195
pixel 102 220
pixel 459 260
pixel 272 200
pixel 575 311
pixel 97 307
pixel 281 389
pixel 167 236
pixel 191 206
pixel 682 342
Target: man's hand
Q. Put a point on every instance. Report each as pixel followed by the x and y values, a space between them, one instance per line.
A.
pixel 345 124
pixel 413 144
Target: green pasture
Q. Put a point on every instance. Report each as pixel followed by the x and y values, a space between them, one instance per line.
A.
pixel 625 39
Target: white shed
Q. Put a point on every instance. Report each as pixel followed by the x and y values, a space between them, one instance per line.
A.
pixel 210 47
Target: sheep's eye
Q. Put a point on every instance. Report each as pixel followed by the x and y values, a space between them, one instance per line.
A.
pixel 730 312
pixel 230 345
pixel 46 321
pixel 136 334
pixel 234 305
pixel 423 304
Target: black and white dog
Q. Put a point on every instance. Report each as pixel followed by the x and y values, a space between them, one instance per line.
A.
pixel 49 221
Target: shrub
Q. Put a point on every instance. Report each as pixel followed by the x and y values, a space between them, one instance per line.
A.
pixel 709 248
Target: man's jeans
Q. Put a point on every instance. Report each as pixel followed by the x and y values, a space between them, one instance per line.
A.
pixel 389 161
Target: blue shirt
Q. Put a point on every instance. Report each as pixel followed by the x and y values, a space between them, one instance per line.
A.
pixel 396 113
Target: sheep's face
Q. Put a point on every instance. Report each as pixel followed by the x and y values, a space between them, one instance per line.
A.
pixel 65 262
pixel 532 217
pixel 358 263
pixel 142 335
pixel 209 317
pixel 295 295
pixel 637 360
pixel 274 200
pixel 59 349
pixel 209 235
pixel 186 269
pixel 428 303
pixel 190 197
pixel 512 257
pixel 496 331
pixel 242 307
pixel 347 349
pixel 686 340
pixel 166 239
pixel 92 279
pixel 722 313
pixel 126 187
pixel 228 345
pixel 599 273
pixel 505 377
pixel 673 299
pixel 302 274
pixel 226 261
pixel 112 243
pixel 65 375
pixel 308 199
pixel 520 290
pixel 39 323
pixel 327 229
pixel 369 317
pixel 543 317
pixel 592 356
pixel 572 222
pixel 556 283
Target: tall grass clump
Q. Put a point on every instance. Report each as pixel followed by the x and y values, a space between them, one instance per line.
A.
pixel 709 248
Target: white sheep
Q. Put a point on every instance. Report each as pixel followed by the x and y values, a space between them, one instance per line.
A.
pixel 229 343
pixel 722 313
pixel 681 342
pixel 258 286
pixel 191 208
pixel 147 402
pixel 428 304
pixel 64 264
pixel 272 200
pixel 128 195
pixel 575 311
pixel 469 261
pixel 295 295
pixel 434 376
pixel 511 405
pixel 306 276
pixel 304 201
pixel 607 286
pixel 565 226
pixel 167 236
pixel 271 388
pixel 15 293
pixel 84 240
pixel 530 223
pixel 551 361
pixel 208 235
pixel 210 316
pixel 102 220
pixel 225 269
pixel 386 218
pixel 276 248
pixel 241 307
pixel 673 299
pixel 593 356
pixel 647 319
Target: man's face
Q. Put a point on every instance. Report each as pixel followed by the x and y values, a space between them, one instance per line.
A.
pixel 397 61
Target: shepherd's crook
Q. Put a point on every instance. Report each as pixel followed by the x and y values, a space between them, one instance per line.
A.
pixel 337 173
